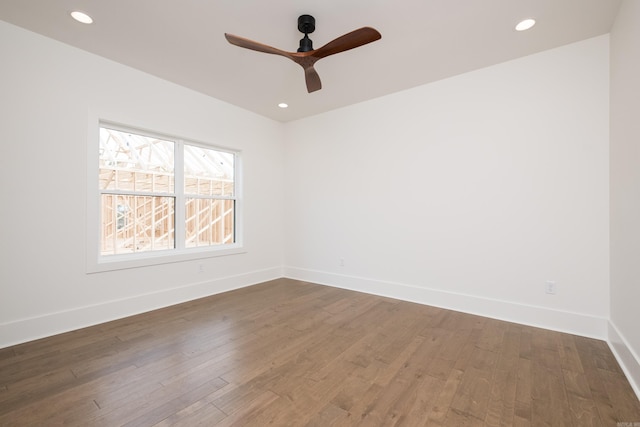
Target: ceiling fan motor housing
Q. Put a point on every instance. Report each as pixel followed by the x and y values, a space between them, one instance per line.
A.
pixel 306 25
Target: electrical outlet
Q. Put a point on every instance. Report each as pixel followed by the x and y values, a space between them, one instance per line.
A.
pixel 341 262
pixel 550 287
pixel 200 268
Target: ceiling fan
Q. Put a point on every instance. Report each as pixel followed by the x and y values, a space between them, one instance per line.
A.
pixel 306 56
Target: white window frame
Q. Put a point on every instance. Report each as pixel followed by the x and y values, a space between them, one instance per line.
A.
pixel 96 262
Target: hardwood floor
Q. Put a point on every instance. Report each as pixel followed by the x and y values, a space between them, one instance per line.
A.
pixel 290 353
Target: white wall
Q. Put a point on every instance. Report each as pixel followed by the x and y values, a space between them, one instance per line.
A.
pixel 48 91
pixel 625 189
pixel 468 193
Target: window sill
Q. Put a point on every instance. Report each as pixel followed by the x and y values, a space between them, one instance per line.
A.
pixel 126 261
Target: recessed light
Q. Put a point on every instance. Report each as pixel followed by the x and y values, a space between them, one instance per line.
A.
pixel 81 17
pixel 283 105
pixel 525 24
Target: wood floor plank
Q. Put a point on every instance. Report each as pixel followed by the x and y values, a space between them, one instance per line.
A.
pixel 474 391
pixel 330 415
pixel 524 396
pixel 441 409
pixel 619 391
pixel 569 357
pixel 292 353
pixel 179 397
pixel 426 396
pixel 501 405
pixel 201 412
pixel 70 403
pixel 398 395
pixel 246 414
pixel 581 404
pixel 356 393
pixel 379 374
pixel 550 404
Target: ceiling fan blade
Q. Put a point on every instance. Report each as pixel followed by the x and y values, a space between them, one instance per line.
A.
pixel 303 59
pixel 306 59
pixel 253 45
pixel 348 41
pixel 312 79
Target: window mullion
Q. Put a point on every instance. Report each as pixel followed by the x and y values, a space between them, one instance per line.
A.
pixel 180 201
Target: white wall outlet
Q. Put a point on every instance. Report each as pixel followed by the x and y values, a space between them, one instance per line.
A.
pixel 341 262
pixel 550 287
pixel 200 268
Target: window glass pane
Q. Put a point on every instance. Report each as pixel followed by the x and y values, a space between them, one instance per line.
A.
pixel 208 172
pixel 209 222
pixel 136 224
pixel 135 162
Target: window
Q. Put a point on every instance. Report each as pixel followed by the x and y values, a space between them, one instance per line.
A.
pixel 160 195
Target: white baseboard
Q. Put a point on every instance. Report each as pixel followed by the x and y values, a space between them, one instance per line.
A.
pixel 24 330
pixel 627 358
pixel 29 329
pixel 542 317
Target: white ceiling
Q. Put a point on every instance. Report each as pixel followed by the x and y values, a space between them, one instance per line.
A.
pixel 422 41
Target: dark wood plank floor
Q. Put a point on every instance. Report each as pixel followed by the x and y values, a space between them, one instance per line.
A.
pixel 289 353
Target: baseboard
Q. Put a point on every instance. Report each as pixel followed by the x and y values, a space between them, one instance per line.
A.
pixel 24 330
pixel 29 329
pixel 542 317
pixel 628 360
